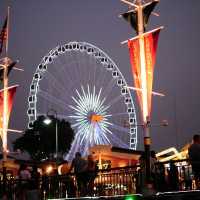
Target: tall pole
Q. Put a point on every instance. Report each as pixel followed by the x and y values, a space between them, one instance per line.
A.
pixel 5 106
pixel 56 129
pixel 146 118
pixel 56 139
pixel 5 110
pixel 5 96
pixel 4 128
pixel 142 52
pixel 7 31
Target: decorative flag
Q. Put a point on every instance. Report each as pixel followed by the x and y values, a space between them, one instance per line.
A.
pixel 131 16
pixel 10 66
pixel 149 41
pixel 11 93
pixel 3 34
pixel 147 10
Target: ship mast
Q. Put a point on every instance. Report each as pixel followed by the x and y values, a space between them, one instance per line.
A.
pixel 5 93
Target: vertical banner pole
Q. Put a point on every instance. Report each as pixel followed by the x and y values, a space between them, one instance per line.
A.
pixel 5 106
pixel 144 90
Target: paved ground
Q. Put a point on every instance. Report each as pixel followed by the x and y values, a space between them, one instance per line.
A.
pixel 178 195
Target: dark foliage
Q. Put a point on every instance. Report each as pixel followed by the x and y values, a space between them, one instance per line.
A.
pixel 40 142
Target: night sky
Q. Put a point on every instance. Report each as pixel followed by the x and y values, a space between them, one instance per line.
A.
pixel 36 27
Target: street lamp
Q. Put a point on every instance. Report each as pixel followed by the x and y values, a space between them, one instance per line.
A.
pixel 48 121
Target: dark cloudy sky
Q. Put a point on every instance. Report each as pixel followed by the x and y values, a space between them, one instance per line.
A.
pixel 38 26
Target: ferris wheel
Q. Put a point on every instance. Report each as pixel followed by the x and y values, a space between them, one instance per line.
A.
pixel 86 88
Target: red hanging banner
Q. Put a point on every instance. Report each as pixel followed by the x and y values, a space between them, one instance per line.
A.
pixel 134 50
pixel 10 95
pixel 146 54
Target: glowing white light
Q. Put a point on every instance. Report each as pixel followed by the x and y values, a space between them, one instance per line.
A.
pixel 47 121
pixel 91 118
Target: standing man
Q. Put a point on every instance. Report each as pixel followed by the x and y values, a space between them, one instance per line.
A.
pixel 80 166
pixel 194 157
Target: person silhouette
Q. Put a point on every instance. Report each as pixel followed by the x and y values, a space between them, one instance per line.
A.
pixel 194 158
pixel 80 166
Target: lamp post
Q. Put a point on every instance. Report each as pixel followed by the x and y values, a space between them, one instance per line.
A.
pixel 47 121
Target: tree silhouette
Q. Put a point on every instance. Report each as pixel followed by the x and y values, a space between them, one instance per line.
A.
pixel 40 141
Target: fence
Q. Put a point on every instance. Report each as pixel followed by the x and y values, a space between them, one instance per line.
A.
pixel 171 176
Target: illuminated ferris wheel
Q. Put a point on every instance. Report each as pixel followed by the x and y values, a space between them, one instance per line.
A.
pixel 86 88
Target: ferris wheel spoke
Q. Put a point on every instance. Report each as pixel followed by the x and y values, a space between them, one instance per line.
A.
pixel 106 123
pixel 102 139
pixel 84 133
pixel 89 97
pixel 81 103
pixel 74 148
pixel 105 130
pixel 53 100
pixel 86 74
pixel 81 109
pixel 106 140
pixel 78 108
pixel 86 148
pixel 81 127
pixel 101 78
pixel 92 73
pixel 100 107
pixel 93 129
pixel 119 142
pixel 109 87
pixel 95 71
pixel 120 128
pixel 82 73
pixel 55 83
pixel 71 82
pixel 102 110
pixel 117 114
pixel 61 116
pixel 107 115
pixel 115 100
pixel 98 97
pixel 79 72
pixel 80 124
pixel 76 73
pixel 100 103
pixel 64 65
pixel 76 117
pixel 90 134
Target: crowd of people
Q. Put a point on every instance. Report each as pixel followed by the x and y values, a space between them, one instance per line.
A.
pixel 31 183
pixel 85 172
pixel 28 183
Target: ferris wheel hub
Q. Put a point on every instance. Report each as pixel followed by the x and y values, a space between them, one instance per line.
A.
pixel 96 118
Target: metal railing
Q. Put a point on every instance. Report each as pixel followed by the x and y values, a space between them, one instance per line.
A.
pixel 176 175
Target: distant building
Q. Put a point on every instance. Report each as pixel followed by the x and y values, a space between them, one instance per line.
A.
pixel 11 168
pixel 108 156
